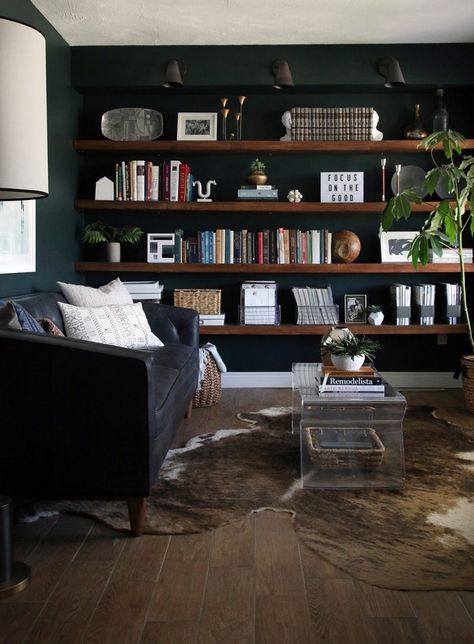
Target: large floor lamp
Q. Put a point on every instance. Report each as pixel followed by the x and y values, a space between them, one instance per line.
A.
pixel 23 175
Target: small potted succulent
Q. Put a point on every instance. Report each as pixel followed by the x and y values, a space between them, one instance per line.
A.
pixel 99 232
pixel 348 353
pixel 257 174
pixel 376 315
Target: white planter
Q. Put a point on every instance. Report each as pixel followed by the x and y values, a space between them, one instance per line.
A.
pixel 376 318
pixel 346 363
pixel 113 252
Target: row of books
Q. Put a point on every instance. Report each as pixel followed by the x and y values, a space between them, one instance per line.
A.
pixel 450 256
pixel 420 302
pixel 315 305
pixel 331 123
pixel 280 246
pixel 140 180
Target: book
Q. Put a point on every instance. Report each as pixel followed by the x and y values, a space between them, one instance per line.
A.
pixel 140 180
pixel 212 319
pixel 174 180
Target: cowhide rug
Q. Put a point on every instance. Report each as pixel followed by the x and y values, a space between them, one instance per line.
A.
pixel 420 537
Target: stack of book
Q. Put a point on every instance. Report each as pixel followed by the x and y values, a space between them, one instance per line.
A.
pixel 145 290
pixel 331 123
pixel 263 193
pixel 424 303
pixel 450 256
pixel 364 382
pixel 400 300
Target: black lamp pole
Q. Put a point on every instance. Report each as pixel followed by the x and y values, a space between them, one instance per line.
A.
pixel 14 575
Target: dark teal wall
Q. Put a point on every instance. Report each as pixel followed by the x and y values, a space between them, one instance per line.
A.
pixel 56 221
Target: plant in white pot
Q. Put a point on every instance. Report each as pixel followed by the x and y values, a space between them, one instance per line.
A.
pixel 450 221
pixel 349 352
pixel 376 315
pixel 98 232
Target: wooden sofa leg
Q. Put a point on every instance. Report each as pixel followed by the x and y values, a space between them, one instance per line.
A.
pixel 136 514
pixel 189 410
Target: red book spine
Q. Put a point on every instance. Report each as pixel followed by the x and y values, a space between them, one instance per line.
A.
pixel 183 181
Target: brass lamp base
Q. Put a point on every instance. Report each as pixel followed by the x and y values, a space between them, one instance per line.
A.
pixel 19 580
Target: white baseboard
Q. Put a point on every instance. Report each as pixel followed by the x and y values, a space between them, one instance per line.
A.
pixel 399 379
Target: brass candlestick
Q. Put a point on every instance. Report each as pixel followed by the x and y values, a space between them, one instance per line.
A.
pixel 239 123
pixel 225 112
pixel 237 119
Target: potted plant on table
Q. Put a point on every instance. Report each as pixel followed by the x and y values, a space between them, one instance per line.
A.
pixel 257 174
pixel 349 352
pixel 99 232
pixel 447 224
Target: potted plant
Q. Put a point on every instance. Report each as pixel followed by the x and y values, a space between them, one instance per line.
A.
pixel 349 352
pixel 99 232
pixel 446 224
pixel 376 315
pixel 257 175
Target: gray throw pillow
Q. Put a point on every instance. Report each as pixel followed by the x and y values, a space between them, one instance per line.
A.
pixel 9 318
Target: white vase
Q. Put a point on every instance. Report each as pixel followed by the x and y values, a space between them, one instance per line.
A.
pixel 376 318
pixel 346 363
pixel 113 252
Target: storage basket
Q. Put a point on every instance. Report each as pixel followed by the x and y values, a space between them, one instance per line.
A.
pixel 206 300
pixel 468 381
pixel 338 458
pixel 210 392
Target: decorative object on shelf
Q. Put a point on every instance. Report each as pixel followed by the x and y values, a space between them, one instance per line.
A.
pixel 282 73
pixel 376 315
pixel 383 163
pixel 104 189
pixel 286 120
pixel 389 68
pixel 113 236
pixel 294 196
pixel 332 124
pixel 334 333
pixel 257 175
pixel 225 113
pixel 409 177
pixel 395 246
pixel 161 248
pixel 445 225
pixel 204 196
pixel 440 116
pixel 345 247
pixel 355 309
pixel 197 126
pixel 131 124
pixel 174 72
pixel 241 100
pixel 342 187
pixel 349 352
pixel 416 129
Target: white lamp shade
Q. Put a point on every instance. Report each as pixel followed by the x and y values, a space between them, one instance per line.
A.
pixel 23 119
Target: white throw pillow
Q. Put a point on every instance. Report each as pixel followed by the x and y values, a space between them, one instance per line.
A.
pixel 112 293
pixel 123 326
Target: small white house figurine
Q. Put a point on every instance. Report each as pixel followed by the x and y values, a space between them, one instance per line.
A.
pixel 104 189
pixel 201 196
pixel 294 196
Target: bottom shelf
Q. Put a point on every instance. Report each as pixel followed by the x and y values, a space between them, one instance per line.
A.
pixel 321 329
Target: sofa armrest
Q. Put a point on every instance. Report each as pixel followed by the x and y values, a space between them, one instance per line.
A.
pixel 173 323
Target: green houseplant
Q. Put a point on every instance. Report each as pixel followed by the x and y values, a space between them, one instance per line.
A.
pixel 257 174
pixel 446 225
pixel 99 232
pixel 350 351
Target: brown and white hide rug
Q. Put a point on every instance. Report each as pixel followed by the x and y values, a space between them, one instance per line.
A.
pixel 420 537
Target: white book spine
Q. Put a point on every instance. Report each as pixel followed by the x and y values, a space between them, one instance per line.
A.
pixel 155 182
pixel 140 165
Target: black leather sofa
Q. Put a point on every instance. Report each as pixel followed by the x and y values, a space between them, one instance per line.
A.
pixel 88 420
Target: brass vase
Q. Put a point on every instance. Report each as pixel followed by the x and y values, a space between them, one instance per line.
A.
pixel 416 129
pixel 258 178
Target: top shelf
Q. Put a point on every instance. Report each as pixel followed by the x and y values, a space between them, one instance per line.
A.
pixel 252 147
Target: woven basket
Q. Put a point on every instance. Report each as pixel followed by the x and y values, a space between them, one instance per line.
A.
pixel 468 381
pixel 205 301
pixel 210 392
pixel 341 459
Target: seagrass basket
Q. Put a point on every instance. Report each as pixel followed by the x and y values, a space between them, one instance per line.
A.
pixel 344 458
pixel 210 392
pixel 205 300
pixel 468 381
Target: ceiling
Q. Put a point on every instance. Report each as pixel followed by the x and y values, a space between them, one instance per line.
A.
pixel 259 22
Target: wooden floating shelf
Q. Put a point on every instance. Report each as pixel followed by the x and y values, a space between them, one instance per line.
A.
pixel 241 206
pixel 253 147
pixel 303 329
pixel 388 268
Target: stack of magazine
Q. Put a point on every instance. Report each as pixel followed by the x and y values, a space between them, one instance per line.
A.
pixel 365 382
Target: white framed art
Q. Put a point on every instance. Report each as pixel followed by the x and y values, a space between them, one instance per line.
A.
pixel 197 126
pixel 395 245
pixel 18 236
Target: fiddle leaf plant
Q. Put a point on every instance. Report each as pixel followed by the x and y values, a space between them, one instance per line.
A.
pixel 451 219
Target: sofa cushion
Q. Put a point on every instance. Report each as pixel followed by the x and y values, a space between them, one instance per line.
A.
pixel 27 321
pixel 113 293
pixel 9 318
pixel 49 327
pixel 123 326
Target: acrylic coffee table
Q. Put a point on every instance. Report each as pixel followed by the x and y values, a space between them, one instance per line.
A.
pixel 348 441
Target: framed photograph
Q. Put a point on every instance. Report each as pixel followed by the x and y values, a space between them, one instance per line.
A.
pixel 355 309
pixel 197 126
pixel 18 236
pixel 395 245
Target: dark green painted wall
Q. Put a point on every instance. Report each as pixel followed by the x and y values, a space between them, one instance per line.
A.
pixel 56 221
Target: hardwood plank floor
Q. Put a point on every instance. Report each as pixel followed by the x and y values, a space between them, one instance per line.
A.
pixel 247 583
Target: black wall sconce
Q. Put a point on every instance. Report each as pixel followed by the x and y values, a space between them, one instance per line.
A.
pixel 281 71
pixel 174 73
pixel 389 68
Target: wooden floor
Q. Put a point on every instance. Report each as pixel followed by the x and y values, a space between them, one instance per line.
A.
pixel 242 584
